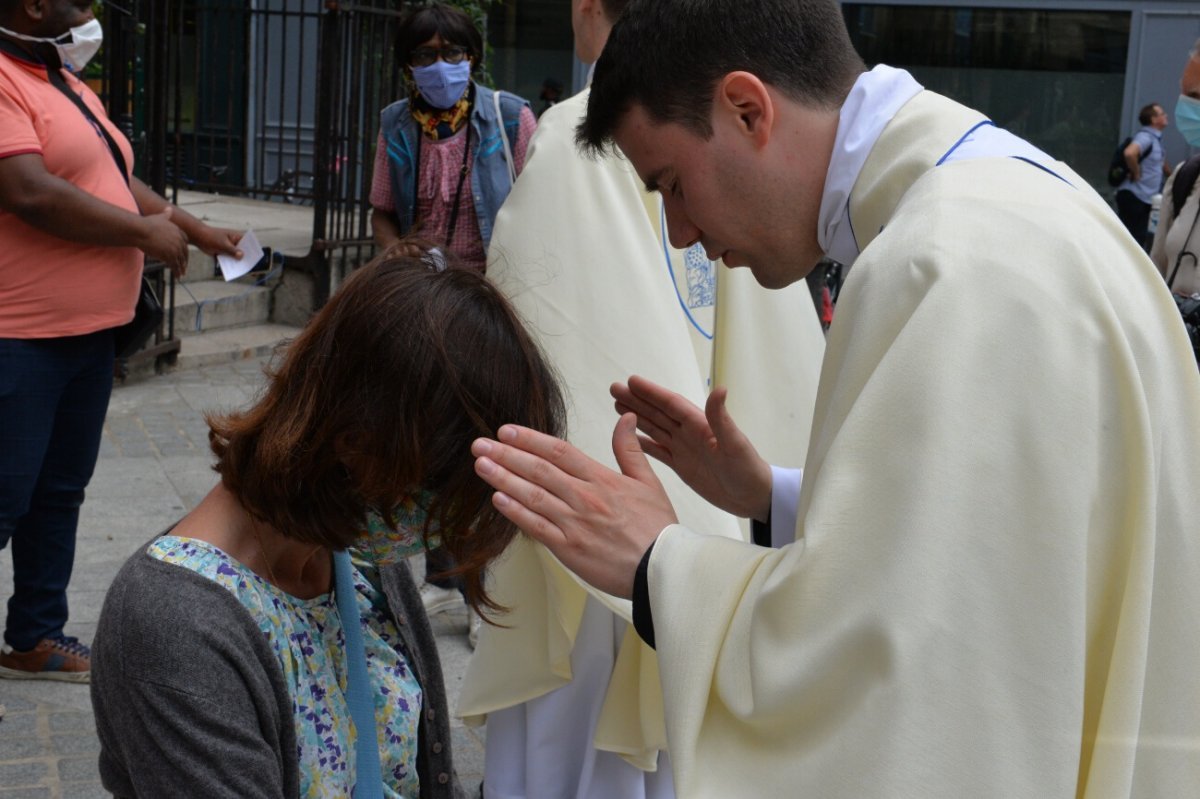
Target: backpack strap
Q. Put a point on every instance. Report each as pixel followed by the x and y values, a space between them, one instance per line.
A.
pixel 508 156
pixel 1146 154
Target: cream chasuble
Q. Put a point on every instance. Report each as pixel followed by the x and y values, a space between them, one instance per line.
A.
pixel 579 249
pixel 995 589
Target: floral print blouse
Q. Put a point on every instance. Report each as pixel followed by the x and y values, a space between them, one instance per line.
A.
pixel 306 635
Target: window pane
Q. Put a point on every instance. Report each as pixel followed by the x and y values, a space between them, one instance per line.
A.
pixel 1055 78
pixel 532 44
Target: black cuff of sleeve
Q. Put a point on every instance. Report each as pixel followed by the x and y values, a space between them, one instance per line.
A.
pixel 643 620
pixel 760 532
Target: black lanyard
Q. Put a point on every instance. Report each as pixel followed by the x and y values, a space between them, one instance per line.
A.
pixel 54 75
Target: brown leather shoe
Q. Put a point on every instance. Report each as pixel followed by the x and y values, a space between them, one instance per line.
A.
pixel 63 658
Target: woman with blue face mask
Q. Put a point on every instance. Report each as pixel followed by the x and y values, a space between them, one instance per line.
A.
pixel 224 664
pixel 445 160
pixel 1177 239
pixel 447 154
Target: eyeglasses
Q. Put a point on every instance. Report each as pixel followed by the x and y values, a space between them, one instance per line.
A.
pixel 424 56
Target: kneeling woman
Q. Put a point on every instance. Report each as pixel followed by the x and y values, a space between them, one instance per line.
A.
pixel 225 661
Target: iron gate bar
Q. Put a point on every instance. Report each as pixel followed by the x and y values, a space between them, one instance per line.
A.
pixel 203 115
pixel 355 7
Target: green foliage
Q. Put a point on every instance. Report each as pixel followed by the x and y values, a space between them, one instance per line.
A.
pixel 476 9
pixel 95 68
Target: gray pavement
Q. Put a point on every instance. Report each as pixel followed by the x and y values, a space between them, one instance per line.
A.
pixel 154 466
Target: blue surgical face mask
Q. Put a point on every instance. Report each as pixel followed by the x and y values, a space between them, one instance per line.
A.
pixel 442 84
pixel 75 48
pixel 383 543
pixel 1187 119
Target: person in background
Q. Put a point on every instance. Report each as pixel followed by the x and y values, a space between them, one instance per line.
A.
pixel 1147 165
pixel 992 590
pixel 550 95
pixel 570 693
pixel 445 160
pixel 222 650
pixel 75 227
pixel 1177 240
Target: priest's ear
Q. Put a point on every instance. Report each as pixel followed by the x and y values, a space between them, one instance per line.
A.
pixel 743 100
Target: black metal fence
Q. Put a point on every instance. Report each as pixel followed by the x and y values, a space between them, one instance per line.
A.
pixel 276 100
pixel 359 76
pixel 134 46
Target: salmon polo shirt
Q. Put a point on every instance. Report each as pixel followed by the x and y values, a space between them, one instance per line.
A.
pixel 51 287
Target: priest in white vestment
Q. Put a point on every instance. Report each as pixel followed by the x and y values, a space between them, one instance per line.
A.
pixel 570 694
pixel 993 587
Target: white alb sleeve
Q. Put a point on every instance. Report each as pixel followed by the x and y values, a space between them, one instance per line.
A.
pixel 785 504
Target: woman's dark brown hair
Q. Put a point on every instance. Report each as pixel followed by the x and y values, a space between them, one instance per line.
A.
pixel 380 396
pixel 438 19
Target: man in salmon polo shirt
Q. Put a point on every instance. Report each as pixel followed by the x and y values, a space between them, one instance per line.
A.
pixel 73 231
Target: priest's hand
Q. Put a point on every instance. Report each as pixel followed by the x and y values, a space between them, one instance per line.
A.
pixel 598 522
pixel 705 448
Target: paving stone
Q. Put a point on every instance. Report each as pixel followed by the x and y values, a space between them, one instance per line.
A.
pixel 468 753
pixel 80 769
pixel 20 747
pixel 19 705
pixel 49 696
pixel 75 745
pixel 23 773
pixel 27 793
pixel 72 721
pixel 14 725
pixel 83 790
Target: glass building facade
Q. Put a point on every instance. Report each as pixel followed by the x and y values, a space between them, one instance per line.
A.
pixel 1055 78
pixel 531 44
pixel 1068 75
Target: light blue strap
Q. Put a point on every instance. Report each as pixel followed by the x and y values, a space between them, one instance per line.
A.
pixel 368 779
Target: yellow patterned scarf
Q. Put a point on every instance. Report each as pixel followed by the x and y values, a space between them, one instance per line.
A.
pixel 440 123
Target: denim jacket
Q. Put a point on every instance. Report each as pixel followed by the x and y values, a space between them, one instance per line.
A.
pixel 490 182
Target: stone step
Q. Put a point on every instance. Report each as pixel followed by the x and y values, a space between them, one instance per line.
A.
pixel 203 267
pixel 211 305
pixel 285 229
pixel 200 267
pixel 232 344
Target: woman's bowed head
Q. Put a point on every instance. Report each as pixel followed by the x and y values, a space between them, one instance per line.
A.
pixel 374 406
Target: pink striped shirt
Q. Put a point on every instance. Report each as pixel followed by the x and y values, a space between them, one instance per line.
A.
pixel 436 184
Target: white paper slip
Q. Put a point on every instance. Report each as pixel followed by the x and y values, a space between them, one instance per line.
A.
pixel 252 252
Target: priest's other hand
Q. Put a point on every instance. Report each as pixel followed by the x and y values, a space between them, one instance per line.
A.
pixel 596 521
pixel 705 448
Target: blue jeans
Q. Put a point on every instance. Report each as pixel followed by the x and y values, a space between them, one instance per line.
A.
pixel 53 397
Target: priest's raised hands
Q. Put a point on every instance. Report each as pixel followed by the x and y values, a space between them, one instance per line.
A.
pixel 705 448
pixel 598 522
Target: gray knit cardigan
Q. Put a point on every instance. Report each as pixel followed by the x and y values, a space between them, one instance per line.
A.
pixel 190 700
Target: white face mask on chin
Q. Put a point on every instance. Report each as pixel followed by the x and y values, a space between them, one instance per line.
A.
pixel 82 43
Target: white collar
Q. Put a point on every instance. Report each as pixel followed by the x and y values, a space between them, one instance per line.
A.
pixel 873 101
